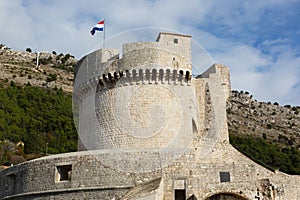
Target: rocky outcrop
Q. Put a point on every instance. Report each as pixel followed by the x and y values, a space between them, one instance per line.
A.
pixel 279 124
pixel 52 71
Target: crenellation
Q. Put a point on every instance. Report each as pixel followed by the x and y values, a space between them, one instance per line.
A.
pixel 140 76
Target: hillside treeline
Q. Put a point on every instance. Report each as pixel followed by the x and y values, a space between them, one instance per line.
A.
pixel 271 156
pixel 39 119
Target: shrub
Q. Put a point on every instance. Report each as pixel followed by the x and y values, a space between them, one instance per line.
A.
pixel 264 136
pixel 28 50
pixel 37 116
pixel 228 110
pixel 12 84
pixel 269 126
pixel 269 155
pixel 51 77
pixel 294 108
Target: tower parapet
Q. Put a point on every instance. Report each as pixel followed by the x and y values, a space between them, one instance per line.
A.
pixel 164 65
pixel 171 50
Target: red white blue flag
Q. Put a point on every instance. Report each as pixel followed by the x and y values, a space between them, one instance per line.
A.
pixel 98 27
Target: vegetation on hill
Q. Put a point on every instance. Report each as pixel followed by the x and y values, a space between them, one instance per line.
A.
pixel 52 70
pixel 39 118
pixel 267 133
pixel 277 124
pixel 269 155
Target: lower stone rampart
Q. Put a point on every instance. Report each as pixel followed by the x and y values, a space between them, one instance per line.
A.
pixel 224 171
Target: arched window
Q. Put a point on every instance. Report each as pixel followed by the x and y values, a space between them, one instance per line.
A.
pixel 161 75
pixel 134 75
pixel 116 76
pixel 168 75
pixel 110 76
pixel 187 76
pixel 154 75
pixel 141 78
pixel 148 75
pixel 180 77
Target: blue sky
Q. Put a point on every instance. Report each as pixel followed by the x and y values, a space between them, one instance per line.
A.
pixel 258 40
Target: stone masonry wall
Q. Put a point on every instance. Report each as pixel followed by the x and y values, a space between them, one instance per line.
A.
pixel 157 124
pixel 87 174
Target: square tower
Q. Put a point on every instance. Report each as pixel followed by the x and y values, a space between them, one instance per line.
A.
pixel 177 43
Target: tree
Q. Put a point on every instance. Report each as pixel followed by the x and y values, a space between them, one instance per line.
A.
pixel 28 50
pixel 41 118
pixel 267 154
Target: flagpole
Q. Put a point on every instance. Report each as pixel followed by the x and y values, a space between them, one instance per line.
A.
pixel 103 34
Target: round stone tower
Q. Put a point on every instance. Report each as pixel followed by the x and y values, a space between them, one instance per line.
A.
pixel 142 101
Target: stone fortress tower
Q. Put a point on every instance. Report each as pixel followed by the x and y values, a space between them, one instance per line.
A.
pixel 149 130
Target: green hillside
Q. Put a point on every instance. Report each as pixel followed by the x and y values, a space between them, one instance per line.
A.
pixel 40 118
pixel 269 155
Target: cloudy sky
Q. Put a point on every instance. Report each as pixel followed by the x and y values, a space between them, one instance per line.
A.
pixel 258 39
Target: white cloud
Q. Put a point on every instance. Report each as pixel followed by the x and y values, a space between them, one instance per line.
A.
pixel 268 79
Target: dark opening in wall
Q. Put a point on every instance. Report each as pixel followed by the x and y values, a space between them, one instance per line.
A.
pixel 63 173
pixel 180 189
pixel 141 75
pixel 194 126
pixel 180 194
pixel 224 177
pixel 175 40
pixel 187 75
pixel 11 181
pixel 148 75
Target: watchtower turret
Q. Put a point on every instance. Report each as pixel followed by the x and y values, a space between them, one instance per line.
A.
pixel 139 98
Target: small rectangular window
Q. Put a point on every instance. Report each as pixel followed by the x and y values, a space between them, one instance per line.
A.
pixel 10 182
pixel 180 189
pixel 180 194
pixel 63 173
pixel 175 40
pixel 224 177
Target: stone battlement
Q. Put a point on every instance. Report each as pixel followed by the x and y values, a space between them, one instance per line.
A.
pixel 144 76
pixel 171 51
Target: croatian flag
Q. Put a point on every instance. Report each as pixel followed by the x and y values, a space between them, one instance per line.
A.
pixel 98 27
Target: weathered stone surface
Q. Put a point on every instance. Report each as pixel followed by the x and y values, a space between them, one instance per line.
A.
pixel 149 123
